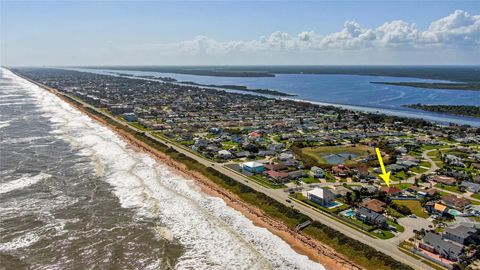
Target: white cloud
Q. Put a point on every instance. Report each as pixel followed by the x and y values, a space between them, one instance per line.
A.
pixel 459 29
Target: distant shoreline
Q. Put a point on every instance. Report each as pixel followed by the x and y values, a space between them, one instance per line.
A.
pixel 440 86
pixel 463 110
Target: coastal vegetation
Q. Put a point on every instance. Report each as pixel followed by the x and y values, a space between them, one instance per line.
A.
pixel 472 111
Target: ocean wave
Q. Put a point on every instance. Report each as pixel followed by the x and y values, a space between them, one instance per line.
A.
pixel 4 124
pixel 21 241
pixel 23 182
pixel 214 235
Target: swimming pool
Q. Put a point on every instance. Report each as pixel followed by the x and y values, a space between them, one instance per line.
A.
pixel 454 212
pixel 349 213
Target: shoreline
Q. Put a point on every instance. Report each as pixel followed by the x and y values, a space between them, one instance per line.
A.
pixel 313 249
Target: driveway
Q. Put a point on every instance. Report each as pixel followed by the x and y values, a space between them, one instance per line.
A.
pixel 409 224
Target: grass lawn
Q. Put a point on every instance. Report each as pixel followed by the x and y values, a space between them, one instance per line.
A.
pixel 418 170
pixel 400 176
pixel 383 234
pixel 137 125
pixel 476 196
pixel 309 180
pixel 394 212
pixel 229 145
pixel 330 178
pixel 449 188
pixel 399 227
pixel 425 164
pixel 414 206
pixel 403 186
pixel 319 152
pixel 264 181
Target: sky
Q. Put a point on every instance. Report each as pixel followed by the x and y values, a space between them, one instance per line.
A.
pixel 66 33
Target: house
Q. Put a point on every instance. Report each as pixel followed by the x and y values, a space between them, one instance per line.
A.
pixel 434 243
pixel 225 154
pixel 242 154
pixel 340 191
pixel 201 143
pixel 297 174
pixel 370 217
pixel 446 180
pixel 422 192
pixel 341 170
pixel 454 161
pixel 392 191
pixel 407 163
pixel 440 208
pixel 455 202
pixel 462 234
pixel 285 156
pixel 396 168
pixel 277 176
pixel 364 174
pixel 276 167
pixel 253 167
pixel 470 186
pixel 374 205
pixel 120 108
pixel 264 153
pixel 317 172
pixel 392 168
pixel 321 196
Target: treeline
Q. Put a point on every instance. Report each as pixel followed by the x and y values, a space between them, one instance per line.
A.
pixel 446 86
pixel 354 250
pixel 465 110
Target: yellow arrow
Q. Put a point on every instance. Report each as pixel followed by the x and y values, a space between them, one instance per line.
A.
pixel 385 175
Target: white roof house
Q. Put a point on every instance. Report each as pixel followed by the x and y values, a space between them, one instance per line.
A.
pixel 321 196
pixel 253 164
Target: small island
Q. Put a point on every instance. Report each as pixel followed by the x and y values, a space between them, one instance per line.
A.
pixel 464 110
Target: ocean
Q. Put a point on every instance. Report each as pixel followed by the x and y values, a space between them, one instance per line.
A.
pixel 350 91
pixel 74 195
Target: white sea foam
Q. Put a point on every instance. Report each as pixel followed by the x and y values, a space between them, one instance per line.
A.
pixel 214 235
pixel 23 182
pixel 4 124
pixel 23 241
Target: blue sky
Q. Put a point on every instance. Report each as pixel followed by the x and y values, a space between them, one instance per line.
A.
pixel 242 32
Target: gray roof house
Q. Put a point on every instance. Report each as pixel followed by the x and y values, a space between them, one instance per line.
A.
pixel 370 217
pixel 472 187
pixel 435 243
pixel 296 174
pixel 461 234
